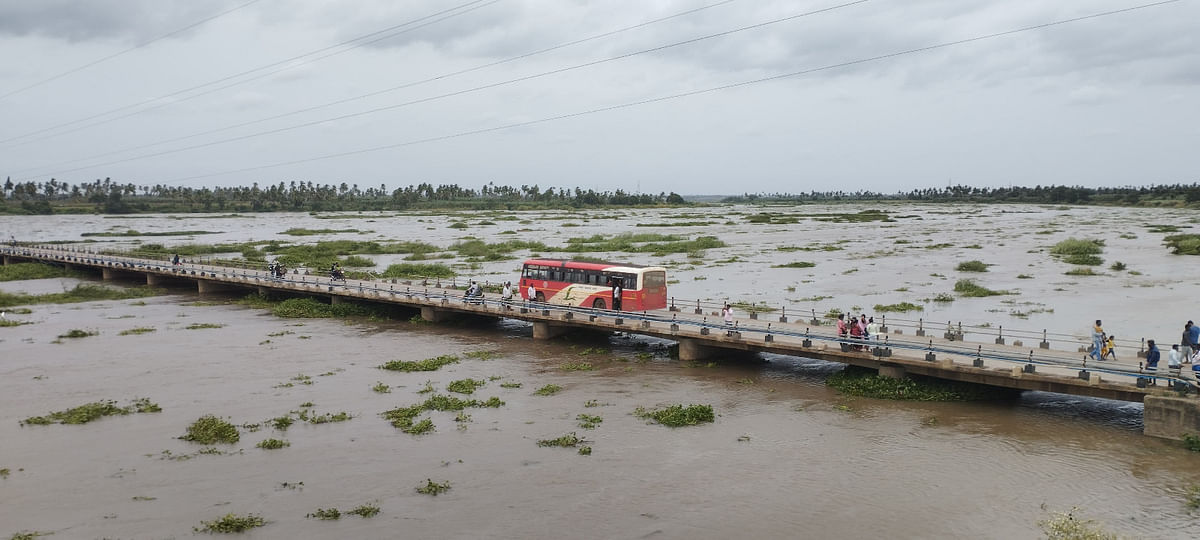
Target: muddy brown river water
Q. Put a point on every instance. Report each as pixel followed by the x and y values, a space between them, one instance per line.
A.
pixel 786 457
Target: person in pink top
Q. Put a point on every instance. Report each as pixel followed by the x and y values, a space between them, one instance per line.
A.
pixel 841 325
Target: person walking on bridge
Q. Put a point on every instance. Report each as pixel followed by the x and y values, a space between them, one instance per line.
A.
pixel 1191 335
pixel 1097 341
pixel 1152 356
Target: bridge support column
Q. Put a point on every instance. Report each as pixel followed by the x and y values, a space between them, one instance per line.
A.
pixel 7 260
pixel 1170 417
pixel 335 300
pixel 692 350
pixel 108 274
pixel 153 280
pixel 544 330
pixel 892 371
pixel 204 286
pixel 433 315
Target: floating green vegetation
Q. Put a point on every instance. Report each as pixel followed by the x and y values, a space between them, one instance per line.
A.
pixel 203 326
pixel 325 514
pixel 91 411
pixel 328 418
pixel 482 355
pixel 1117 266
pixel 569 440
pixel 1066 526
pixel 433 488
pixel 309 308
pixel 281 423
pixel 657 244
pixel 209 430
pixel 272 444
pixel 748 307
pixel 356 261
pixel 23 271
pixel 864 216
pixel 364 510
pixel 510 385
pixel 864 382
pixel 1183 244
pixel 678 224
pixel 822 247
pixel 132 232
pixel 1080 271
pixel 1163 228
pixel 28 535
pixel 404 418
pixel 972 266
pixel 300 231
pixel 1192 496
pixel 1191 442
pixel 136 331
pixel 939 246
pixel 81 293
pixel 1024 276
pixel 231 523
pixel 4 473
pixel 902 307
pixel 482 251
pixel 76 333
pixel 587 421
pixel 418 271
pixel 1076 246
pixel 428 364
pixel 1083 259
pixel 381 388
pixel 969 288
pixel 548 390
pixel 678 415
pixel 576 366
pixel 797 264
pixel 464 386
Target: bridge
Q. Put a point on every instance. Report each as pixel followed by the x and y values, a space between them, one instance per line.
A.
pixel 1170 406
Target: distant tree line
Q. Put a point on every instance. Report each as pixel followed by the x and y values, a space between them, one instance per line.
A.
pixel 1164 195
pixel 109 197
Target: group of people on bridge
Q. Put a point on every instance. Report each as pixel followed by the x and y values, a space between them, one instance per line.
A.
pixel 1187 351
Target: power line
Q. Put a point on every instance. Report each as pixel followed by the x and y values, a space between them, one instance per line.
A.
pixel 676 96
pixel 131 49
pixel 462 92
pixel 349 44
pixel 390 89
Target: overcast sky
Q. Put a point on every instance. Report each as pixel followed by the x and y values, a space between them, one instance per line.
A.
pixel 1108 101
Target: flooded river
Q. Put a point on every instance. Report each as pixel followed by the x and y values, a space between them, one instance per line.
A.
pixel 786 457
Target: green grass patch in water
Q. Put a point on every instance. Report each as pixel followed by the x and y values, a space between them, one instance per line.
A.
pixel 548 390
pixel 272 444
pixel 969 288
pixel 23 271
pixel 209 429
pixel 972 266
pixel 797 264
pixel 464 386
pixel 428 364
pixel 902 307
pixel 678 415
pixel 136 331
pixel 231 523
pixel 569 440
pixel 76 333
pixel 1183 244
pixel 92 411
pixel 433 488
pixel 83 292
pixel 865 382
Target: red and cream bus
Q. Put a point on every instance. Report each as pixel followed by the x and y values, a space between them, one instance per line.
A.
pixel 590 284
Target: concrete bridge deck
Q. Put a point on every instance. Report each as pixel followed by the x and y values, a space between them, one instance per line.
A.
pixel 1168 414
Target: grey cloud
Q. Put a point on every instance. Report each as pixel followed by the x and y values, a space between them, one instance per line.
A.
pixel 126 20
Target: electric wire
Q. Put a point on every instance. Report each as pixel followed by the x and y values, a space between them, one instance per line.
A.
pixel 441 77
pixel 286 63
pixel 129 50
pixel 680 95
pixel 460 92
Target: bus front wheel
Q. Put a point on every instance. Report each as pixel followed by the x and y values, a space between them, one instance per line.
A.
pixel 598 303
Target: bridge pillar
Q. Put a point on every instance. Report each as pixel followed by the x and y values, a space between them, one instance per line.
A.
pixel 433 315
pixel 892 371
pixel 335 300
pixel 108 274
pixel 544 330
pixel 692 350
pixel 153 280
pixel 1170 417
pixel 7 260
pixel 204 286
